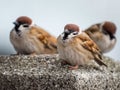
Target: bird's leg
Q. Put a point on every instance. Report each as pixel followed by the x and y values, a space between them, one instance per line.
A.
pixel 33 54
pixel 73 67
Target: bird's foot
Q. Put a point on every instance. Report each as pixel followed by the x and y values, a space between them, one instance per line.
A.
pixel 32 54
pixel 73 67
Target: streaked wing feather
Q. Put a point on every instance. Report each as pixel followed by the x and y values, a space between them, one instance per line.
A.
pixel 92 47
pixel 48 40
pixel 89 44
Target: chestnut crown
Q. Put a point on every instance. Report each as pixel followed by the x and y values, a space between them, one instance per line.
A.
pixel 109 27
pixel 24 20
pixel 72 27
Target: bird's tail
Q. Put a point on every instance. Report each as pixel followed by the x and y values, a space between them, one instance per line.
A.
pixel 100 62
pixel 98 59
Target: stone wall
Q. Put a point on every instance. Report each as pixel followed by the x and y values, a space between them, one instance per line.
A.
pixel 45 72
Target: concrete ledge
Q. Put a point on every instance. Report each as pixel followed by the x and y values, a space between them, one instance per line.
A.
pixel 44 72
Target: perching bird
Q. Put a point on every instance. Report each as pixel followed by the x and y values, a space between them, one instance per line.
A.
pixel 76 48
pixel 29 39
pixel 103 34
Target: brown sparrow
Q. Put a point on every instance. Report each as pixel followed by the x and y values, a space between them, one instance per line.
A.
pixel 103 34
pixel 76 48
pixel 28 38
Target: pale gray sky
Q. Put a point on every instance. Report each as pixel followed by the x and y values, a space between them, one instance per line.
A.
pixel 54 14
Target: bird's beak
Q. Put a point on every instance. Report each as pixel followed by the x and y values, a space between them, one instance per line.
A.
pixel 16 23
pixel 67 32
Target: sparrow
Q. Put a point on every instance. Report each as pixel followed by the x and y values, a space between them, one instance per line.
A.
pixel 76 48
pixel 103 34
pixel 29 39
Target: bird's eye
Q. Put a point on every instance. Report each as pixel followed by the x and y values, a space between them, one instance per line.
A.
pixel 75 33
pixel 25 25
pixel 105 32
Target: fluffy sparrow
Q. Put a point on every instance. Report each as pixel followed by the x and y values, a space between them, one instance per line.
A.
pixel 103 34
pixel 28 38
pixel 76 48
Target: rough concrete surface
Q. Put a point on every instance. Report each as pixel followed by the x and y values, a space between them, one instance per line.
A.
pixel 45 72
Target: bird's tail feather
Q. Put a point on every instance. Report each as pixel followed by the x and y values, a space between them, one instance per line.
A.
pixel 100 62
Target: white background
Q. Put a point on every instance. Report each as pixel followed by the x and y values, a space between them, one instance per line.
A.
pixel 53 15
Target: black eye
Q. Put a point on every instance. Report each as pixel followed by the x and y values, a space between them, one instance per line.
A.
pixel 25 25
pixel 105 32
pixel 75 33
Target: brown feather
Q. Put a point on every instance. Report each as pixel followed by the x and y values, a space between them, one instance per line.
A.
pixel 103 33
pixel 92 47
pixel 88 43
pixel 48 40
pixel 24 19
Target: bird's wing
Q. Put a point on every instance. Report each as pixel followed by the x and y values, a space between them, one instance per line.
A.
pixel 89 45
pixel 43 36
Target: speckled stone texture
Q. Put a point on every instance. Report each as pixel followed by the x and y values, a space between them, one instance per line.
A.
pixel 45 72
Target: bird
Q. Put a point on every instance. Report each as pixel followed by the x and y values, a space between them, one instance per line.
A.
pixel 103 34
pixel 76 48
pixel 28 38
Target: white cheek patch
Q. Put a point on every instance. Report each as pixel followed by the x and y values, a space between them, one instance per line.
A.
pixel 73 34
pixel 62 35
pixel 21 28
pixel 70 36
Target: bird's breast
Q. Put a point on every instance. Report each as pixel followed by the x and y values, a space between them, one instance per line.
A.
pixel 70 55
pixel 23 43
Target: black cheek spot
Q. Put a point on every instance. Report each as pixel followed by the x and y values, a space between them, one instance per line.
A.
pixel 108 33
pixel 111 36
pixel 16 28
pixel 65 36
pixel 105 33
